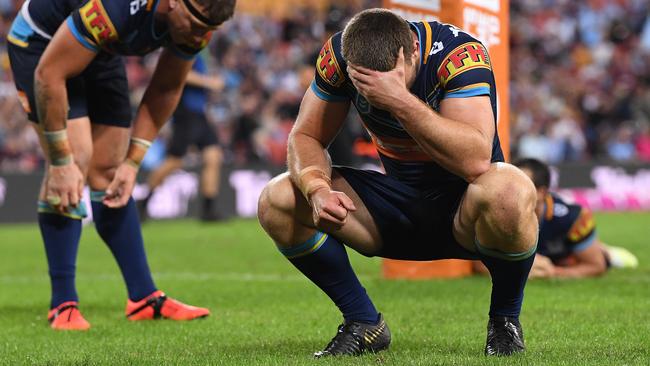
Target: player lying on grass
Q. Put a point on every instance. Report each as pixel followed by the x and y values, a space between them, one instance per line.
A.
pixel 426 94
pixel 568 243
pixel 66 60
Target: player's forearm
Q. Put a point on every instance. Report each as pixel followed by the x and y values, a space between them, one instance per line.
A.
pixel 51 104
pixel 204 81
pixel 306 159
pixel 456 146
pixel 156 108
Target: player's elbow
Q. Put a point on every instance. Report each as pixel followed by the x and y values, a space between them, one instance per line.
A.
pixel 476 168
pixel 45 76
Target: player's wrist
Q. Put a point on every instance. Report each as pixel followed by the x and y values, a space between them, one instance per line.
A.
pixel 59 151
pixel 401 100
pixel 138 148
pixel 312 179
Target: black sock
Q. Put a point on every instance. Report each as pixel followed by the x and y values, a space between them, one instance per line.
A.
pixel 120 230
pixel 509 272
pixel 61 237
pixel 325 262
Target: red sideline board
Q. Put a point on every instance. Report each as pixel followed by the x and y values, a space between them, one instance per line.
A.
pixel 487 20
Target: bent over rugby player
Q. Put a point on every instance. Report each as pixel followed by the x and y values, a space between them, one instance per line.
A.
pixel 66 60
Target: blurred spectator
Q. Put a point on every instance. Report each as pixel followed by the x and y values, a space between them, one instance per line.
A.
pixel 621 146
pixel 580 72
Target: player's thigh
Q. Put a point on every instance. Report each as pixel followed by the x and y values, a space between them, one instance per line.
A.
pixel 360 230
pixel 109 109
pixel 287 216
pixel 107 91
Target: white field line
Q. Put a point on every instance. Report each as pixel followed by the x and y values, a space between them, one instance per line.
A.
pixel 185 276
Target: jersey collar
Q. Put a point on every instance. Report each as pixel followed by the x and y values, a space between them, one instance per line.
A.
pixel 415 28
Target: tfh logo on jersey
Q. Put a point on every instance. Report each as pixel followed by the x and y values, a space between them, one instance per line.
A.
pixel 97 22
pixel 328 67
pixel 465 57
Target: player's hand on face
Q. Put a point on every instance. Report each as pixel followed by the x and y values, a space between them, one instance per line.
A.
pixel 120 189
pixel 330 209
pixel 64 187
pixel 381 89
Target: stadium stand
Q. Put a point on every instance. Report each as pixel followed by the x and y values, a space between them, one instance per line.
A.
pixel 594 104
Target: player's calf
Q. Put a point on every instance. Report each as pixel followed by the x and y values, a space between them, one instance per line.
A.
pixel 323 259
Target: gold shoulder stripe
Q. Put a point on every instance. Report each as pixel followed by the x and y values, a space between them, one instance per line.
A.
pixel 429 39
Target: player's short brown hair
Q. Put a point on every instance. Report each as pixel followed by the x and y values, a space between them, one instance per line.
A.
pixel 373 37
pixel 218 11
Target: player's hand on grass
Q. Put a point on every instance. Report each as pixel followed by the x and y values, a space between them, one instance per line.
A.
pixel 543 267
pixel 64 186
pixel 381 89
pixel 330 209
pixel 120 189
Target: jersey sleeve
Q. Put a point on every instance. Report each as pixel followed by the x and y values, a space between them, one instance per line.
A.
pixel 329 78
pixel 96 23
pixel 582 232
pixel 464 69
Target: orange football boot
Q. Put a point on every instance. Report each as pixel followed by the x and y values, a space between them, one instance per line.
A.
pixel 159 306
pixel 67 317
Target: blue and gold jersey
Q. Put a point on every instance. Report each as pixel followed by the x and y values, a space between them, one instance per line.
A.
pixel 564 229
pixel 123 27
pixel 453 64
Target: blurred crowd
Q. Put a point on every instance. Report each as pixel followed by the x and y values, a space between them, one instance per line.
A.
pixel 580 83
pixel 580 79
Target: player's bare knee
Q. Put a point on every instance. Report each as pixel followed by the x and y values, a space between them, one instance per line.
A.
pixel 508 202
pixel 277 197
pixel 100 174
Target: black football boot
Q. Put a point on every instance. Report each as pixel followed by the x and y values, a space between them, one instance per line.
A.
pixel 504 336
pixel 355 338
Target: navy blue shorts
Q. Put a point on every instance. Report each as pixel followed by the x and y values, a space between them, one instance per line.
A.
pixel 414 224
pixel 101 92
pixel 190 128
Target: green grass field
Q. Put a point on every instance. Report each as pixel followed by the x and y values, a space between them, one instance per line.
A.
pixel 265 313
